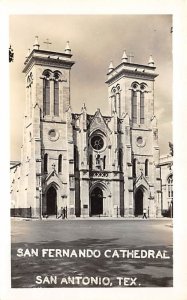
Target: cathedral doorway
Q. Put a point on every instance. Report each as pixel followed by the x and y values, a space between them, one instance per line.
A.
pixel 51 197
pixel 138 203
pixel 97 201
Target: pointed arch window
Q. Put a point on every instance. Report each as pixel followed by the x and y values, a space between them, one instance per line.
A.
pixel 30 98
pixel 90 162
pixel 134 167
pixel 146 167
pixel 113 104
pixel 29 93
pixel 60 163
pixel 76 158
pixel 113 100
pixel 170 186
pixel 118 104
pixel 120 159
pixel 116 100
pixel 45 163
pixel 134 106
pixel 142 108
pixel 56 98
pixel 46 96
pixel 104 162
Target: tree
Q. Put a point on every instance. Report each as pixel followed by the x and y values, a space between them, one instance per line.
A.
pixel 171 148
pixel 11 54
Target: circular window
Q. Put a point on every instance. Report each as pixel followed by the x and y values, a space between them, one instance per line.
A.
pixel 97 142
pixel 142 87
pixel 139 140
pixel 53 135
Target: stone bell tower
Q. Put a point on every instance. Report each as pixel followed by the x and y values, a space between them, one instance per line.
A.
pixel 131 90
pixel 47 76
pixel 131 93
pixel 46 150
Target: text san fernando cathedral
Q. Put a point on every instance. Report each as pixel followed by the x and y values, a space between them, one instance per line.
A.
pixel 94 165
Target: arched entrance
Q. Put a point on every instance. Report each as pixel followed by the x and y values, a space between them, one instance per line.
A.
pixel 138 203
pixel 51 197
pixel 97 201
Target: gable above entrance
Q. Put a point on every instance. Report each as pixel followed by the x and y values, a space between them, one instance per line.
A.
pixel 99 122
pixel 142 181
pixel 53 177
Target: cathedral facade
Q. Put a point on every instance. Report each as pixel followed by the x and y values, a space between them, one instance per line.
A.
pixel 92 165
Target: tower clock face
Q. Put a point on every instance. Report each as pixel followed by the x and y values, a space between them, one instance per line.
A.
pixel 97 142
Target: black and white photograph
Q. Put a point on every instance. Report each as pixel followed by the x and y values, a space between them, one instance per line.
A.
pixel 93 201
pixel 92 179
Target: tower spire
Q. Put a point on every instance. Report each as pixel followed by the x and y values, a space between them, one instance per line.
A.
pixel 111 67
pixel 124 57
pixel 68 49
pixel 151 61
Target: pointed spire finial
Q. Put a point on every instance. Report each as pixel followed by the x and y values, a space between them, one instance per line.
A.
pixel 84 107
pixel 69 108
pixel 36 43
pixel 151 61
pixel 67 49
pixel 111 67
pixel 124 57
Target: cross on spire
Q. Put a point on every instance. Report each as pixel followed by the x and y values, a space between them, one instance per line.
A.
pixel 47 43
pixel 130 56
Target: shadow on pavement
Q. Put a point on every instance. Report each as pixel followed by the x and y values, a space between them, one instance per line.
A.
pixel 149 272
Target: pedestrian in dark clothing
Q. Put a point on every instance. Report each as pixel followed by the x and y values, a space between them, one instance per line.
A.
pixel 64 213
pixel 145 213
pixel 61 213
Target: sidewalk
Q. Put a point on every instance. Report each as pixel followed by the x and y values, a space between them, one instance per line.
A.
pixel 94 219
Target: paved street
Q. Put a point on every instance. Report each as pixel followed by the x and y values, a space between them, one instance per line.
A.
pixel 100 235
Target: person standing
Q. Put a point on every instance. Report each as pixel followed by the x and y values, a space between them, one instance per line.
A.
pixel 145 213
pixel 61 213
pixel 64 213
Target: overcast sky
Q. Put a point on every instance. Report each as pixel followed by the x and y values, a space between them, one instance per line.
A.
pixel 95 41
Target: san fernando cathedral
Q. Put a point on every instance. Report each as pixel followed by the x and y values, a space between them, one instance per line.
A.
pixel 92 165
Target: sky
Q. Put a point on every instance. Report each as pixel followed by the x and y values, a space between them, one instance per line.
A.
pixel 95 40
